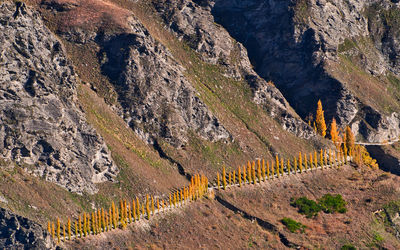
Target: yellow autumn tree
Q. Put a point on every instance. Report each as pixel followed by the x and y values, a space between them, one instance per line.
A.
pixel 80 226
pixel 58 231
pixel 244 175
pixel 69 228
pixel 300 163
pixel 239 177
pixel 349 139
pixel 320 120
pixel 263 169
pixel 65 236
pixel 334 133
pixel 224 177
pixel 49 227
pixel 321 158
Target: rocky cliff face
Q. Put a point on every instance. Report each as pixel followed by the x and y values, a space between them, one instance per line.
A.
pixel 154 96
pixel 157 99
pixel 193 22
pixel 290 42
pixel 41 125
pixel 17 232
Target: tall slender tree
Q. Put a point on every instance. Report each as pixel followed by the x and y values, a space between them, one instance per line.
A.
pixel 59 230
pixel 263 169
pixel 244 175
pixel 334 133
pixel 320 120
pixel 69 228
pixel 300 163
pixel 240 177
pixel 350 141
pixel 224 177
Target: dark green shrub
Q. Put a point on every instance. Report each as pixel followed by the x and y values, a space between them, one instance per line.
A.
pixel 293 225
pixel 332 204
pixel 348 247
pixel 305 206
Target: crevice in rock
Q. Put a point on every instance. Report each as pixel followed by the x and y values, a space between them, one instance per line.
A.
pixel 29 83
pixel 264 224
pixel 163 155
pixel 20 9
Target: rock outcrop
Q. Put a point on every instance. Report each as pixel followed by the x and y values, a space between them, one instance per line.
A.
pixel 17 232
pixel 290 42
pixel 154 97
pixel 193 22
pixel 41 124
pixel 157 99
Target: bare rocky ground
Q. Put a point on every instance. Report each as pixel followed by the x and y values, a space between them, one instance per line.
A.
pixel 249 217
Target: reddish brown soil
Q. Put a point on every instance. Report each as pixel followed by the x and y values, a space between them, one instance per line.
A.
pixel 89 13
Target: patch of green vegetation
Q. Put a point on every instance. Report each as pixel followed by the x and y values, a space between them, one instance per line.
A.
pixel 384 102
pixel 378 239
pixel 292 225
pixel 214 152
pixel 347 45
pixel 332 204
pixel 306 206
pixel 124 180
pixel 394 81
pixel 83 201
pixel 328 203
pixel 348 247
pixel 392 208
pixel 251 242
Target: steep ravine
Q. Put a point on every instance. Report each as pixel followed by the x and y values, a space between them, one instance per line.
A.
pixel 195 25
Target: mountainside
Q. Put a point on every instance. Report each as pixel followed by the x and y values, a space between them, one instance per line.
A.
pixel 299 45
pixel 342 52
pixel 103 100
pixel 42 126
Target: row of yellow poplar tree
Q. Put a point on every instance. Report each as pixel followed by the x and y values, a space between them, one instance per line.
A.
pixel 252 174
pixel 126 212
pixel 104 220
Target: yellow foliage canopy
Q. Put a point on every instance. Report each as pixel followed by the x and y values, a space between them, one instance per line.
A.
pixel 349 140
pixel 334 132
pixel 320 120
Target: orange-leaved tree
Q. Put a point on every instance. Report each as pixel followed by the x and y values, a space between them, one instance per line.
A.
pixel 349 139
pixel 320 120
pixel 334 133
